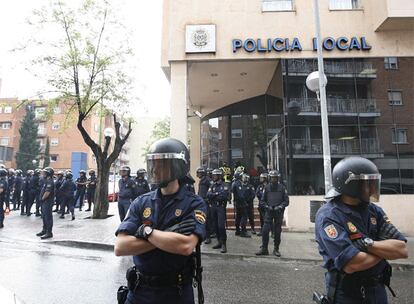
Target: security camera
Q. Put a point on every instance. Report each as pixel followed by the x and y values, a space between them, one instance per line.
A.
pixel 198 114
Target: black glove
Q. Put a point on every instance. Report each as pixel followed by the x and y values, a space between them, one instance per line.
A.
pixel 388 231
pixel 360 245
pixel 186 227
pixel 139 234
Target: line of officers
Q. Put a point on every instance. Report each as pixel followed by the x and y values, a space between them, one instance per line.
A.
pixel 216 188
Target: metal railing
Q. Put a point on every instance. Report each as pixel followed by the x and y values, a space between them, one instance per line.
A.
pixel 339 105
pixel 331 67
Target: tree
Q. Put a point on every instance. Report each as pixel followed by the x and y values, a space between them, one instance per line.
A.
pixel 161 130
pixel 83 56
pixel 46 155
pixel 29 148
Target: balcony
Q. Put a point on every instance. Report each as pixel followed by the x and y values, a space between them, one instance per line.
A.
pixel 344 69
pixel 340 107
pixel 305 148
pixel 394 15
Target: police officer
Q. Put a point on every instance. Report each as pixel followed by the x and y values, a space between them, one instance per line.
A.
pixel 217 195
pixel 162 229
pixel 355 236
pixel 42 181
pixel 17 190
pixel 58 183
pixel 81 182
pixel 26 192
pixel 67 191
pixel 259 194
pixel 90 189
pixel 209 172
pixel 249 194
pixel 47 199
pixel 34 188
pixel 142 184
pixel 3 194
pixel 203 186
pixel 276 198
pixel 127 191
pixel 240 204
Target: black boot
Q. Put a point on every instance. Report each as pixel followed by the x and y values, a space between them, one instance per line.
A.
pixel 207 241
pixel 47 236
pixel 223 247
pixel 73 217
pixel 237 232
pixel 263 251
pixel 41 233
pixel 217 246
pixel 276 252
pixel 1 225
pixel 245 234
pixel 38 214
pixel 253 231
pixel 62 216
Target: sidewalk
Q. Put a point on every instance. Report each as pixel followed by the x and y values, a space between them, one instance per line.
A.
pixel 99 234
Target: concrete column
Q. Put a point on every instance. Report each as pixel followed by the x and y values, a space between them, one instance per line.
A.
pixel 179 101
pixel 195 145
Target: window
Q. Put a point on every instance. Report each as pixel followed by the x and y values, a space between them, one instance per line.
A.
pixel 344 4
pixel 40 112
pixel 7 109
pixel 5 125
pixel 277 5
pixel 41 130
pixel 395 98
pixel 391 63
pixel 4 141
pixel 236 133
pixel 399 136
pixel 236 153
pixel 56 110
pixel 54 141
pixel 55 126
pixel 53 158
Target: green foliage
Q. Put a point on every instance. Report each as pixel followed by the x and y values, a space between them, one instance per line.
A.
pixel 29 148
pixel 161 130
pixel 46 156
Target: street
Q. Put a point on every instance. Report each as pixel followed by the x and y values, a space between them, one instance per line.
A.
pixel 42 273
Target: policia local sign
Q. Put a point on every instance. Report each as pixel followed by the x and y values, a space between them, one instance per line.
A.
pixel 284 44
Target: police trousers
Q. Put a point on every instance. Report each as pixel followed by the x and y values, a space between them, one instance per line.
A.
pixel 210 223
pixel 241 216
pixel 272 219
pixel 25 202
pixel 1 210
pixel 80 194
pixel 47 215
pixel 161 295
pixel 16 199
pixel 250 213
pixel 67 201
pixel 123 206
pixel 219 215
pixel 90 195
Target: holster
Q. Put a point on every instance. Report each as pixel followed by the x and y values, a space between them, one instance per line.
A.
pixel 122 294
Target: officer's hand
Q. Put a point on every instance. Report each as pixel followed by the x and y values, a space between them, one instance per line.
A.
pixel 360 245
pixel 140 232
pixel 186 227
pixel 388 231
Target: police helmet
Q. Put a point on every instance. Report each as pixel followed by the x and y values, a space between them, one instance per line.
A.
pixel 264 177
pixel 237 175
pixel 68 175
pixel 29 172
pixel 37 172
pixel 49 171
pixel 209 171
pixel 141 172
pixel 217 174
pixel 245 178
pixel 201 172
pixel 82 172
pixel 3 173
pixel 91 172
pixel 167 160
pixel 60 173
pixel 356 177
pixel 2 166
pixel 274 175
pixel 19 172
pixel 11 171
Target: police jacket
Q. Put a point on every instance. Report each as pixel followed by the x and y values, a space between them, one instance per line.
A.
pixel 142 186
pixel 276 195
pixel 127 189
pixel 68 188
pixel 236 189
pixel 10 182
pixel 26 184
pixel 34 184
pixel 81 179
pixel 218 192
pixel 48 186
pixel 42 182
pixel 3 186
pixel 58 184
pixel 248 192
pixel 260 192
pixel 203 186
pixel 91 183
pixel 160 212
pixel 18 183
pixel 338 224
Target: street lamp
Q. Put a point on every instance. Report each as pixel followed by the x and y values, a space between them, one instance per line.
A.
pixel 316 82
pixel 34 162
pixel 109 132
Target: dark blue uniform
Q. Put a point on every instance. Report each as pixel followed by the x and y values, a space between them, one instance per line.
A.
pixel 90 190
pixel 203 186
pixel 262 204
pixel 3 195
pixel 241 194
pixel 42 181
pixel 66 192
pixel 217 196
pixel 337 225
pixel 127 193
pixel 17 192
pixel 34 188
pixel 142 186
pixel 249 194
pixel 58 196
pixel 47 204
pixel 10 187
pixel 80 191
pixel 26 195
pixel 162 212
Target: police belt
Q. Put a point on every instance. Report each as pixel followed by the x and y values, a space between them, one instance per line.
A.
pixel 167 280
pixel 223 203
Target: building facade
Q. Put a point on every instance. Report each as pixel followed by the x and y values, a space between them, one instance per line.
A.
pixel 242 64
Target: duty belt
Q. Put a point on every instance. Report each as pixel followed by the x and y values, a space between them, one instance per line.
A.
pixel 219 203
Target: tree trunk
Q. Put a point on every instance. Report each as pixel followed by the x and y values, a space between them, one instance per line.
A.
pixel 100 210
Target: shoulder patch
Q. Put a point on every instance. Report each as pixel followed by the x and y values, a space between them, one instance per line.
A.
pixel 200 216
pixel 352 227
pixel 386 219
pixel 374 220
pixel 178 212
pixel 331 231
pixel 147 212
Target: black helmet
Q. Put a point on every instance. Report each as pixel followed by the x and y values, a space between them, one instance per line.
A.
pixel 201 172
pixel 11 171
pixel 237 175
pixel 356 177
pixel 167 160
pixel 19 172
pixel 264 176
pixel 68 175
pixel 217 172
pixel 91 172
pixel 60 173
pixel 245 178
pixel 3 173
pixel 29 172
pixel 274 176
pixel 141 172
pixel 209 171
pixel 49 171
pixel 37 172
pixel 82 172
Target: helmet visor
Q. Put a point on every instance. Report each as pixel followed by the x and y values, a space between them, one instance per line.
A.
pixel 163 171
pixel 370 189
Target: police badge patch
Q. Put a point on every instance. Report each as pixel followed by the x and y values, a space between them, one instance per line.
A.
pixel 373 221
pixel 352 227
pixel 147 212
pixel 200 216
pixel 331 231
pixel 178 212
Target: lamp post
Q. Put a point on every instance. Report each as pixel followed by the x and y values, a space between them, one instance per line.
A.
pixel 34 162
pixel 316 82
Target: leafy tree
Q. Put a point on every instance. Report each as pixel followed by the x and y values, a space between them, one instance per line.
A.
pixel 161 130
pixel 83 56
pixel 46 156
pixel 29 148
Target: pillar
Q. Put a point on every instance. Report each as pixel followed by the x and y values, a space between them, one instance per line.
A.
pixel 179 101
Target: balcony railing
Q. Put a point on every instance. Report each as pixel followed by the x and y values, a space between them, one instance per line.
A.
pixel 338 146
pixel 303 66
pixel 339 105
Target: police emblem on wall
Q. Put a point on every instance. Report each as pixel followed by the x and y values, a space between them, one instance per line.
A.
pixel 200 38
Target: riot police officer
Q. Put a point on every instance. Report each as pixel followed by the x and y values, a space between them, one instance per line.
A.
pixel 34 188
pixel 142 184
pixel 58 183
pixel 162 229
pixel 47 199
pixel 67 191
pixel 355 236
pixel 276 198
pixel 90 189
pixel 241 205
pixel 3 194
pixel 81 182
pixel 127 191
pixel 17 190
pixel 249 195
pixel 259 194
pixel 26 192
pixel 203 186
pixel 42 181
pixel 217 195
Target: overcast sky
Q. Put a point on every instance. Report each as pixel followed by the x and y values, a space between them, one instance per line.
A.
pixel 144 18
